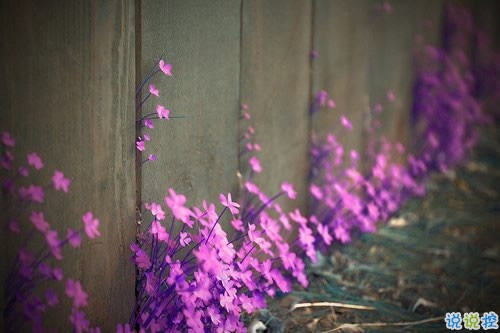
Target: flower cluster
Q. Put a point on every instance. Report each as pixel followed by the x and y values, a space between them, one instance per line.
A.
pixel 148 121
pixel 345 198
pixel 446 109
pixel 197 275
pixel 28 295
pixel 446 118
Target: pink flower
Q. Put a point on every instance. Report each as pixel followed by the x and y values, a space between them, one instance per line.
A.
pixel 91 225
pixel 386 7
pixel 153 90
pixel 57 273
pixel 316 191
pixel 7 139
pixel 39 222
pixel 322 97
pixel 255 164
pixel 157 212
pixel 52 299
pixel 140 145
pixel 288 189
pixel 151 283
pixel 60 182
pixel 377 108
pixel 14 227
pixel 297 217
pixel 246 115
pixel 142 259
pixel 158 229
pixel 176 203
pixel 237 224
pixel 346 123
pixel 210 211
pixel 34 193
pixel 214 314
pixel 148 123
pixel 325 234
pixel 73 237
pixel 35 161
pixel 80 323
pixel 54 244
pixel 75 291
pixel 23 171
pixel 165 68
pixel 152 157
pixel 314 54
pixel 252 188
pixel 184 239
pixel 146 137
pixel 391 97
pixel 162 111
pixel 227 202
pixel 331 104
pixel 123 329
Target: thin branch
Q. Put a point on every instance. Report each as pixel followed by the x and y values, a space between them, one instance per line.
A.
pixel 331 304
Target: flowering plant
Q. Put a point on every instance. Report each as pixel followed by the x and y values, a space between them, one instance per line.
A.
pixel 197 275
pixel 28 292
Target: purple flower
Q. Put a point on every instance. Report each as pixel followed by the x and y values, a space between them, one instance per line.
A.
pixel 60 182
pixel 140 145
pixel 289 190
pixel 51 296
pixel 7 139
pixel 73 237
pixel 165 68
pixel 38 220
pixel 157 212
pixel 346 123
pixel 14 227
pixel 227 202
pixel 75 291
pixel 142 259
pixel 91 225
pixel 80 323
pixel 35 161
pixel 153 90
pixel 54 243
pixel 255 164
pixel 162 112
pixel 176 204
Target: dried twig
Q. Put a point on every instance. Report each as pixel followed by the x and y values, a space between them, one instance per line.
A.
pixel 331 304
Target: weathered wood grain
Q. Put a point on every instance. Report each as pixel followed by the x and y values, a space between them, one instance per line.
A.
pixel 67 92
pixel 391 66
pixel 342 34
pixel 275 83
pixel 197 155
pixel 429 22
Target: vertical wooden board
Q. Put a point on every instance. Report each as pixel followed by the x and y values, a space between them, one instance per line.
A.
pixel 275 79
pixel 198 155
pixel 67 93
pixel 391 66
pixel 429 22
pixel 342 34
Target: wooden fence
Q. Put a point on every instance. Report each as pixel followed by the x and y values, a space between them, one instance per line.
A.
pixel 69 72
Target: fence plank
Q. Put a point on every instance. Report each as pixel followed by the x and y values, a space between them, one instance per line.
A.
pixel 198 155
pixel 391 66
pixel 342 34
pixel 67 93
pixel 275 84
